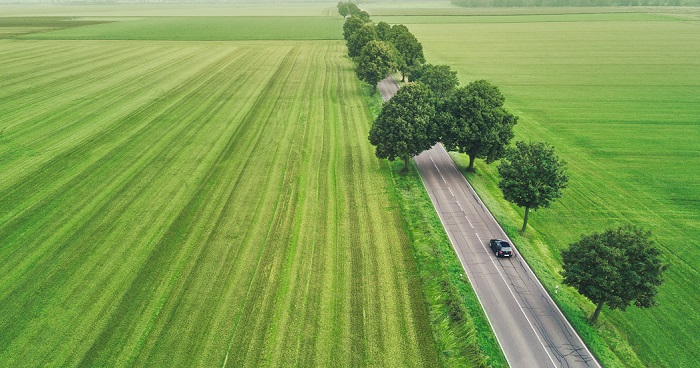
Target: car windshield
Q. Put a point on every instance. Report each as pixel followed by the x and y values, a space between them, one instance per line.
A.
pixel 506 249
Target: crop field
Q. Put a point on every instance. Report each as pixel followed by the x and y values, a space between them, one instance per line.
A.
pixel 13 8
pixel 618 96
pixel 201 29
pixel 197 204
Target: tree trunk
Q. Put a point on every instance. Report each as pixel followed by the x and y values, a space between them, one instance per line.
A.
pixel 527 213
pixel 403 77
pixel 471 163
pixel 375 89
pixel 594 317
pixel 405 163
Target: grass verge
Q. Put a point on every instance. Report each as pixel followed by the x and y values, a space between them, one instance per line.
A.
pixel 459 325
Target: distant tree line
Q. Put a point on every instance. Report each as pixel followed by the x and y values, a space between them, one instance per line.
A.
pixel 556 3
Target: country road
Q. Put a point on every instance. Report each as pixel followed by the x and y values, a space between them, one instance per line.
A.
pixel 530 328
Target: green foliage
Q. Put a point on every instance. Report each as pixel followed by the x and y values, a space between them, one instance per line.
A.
pixel 360 38
pixel 350 9
pixel 459 325
pixel 351 26
pixel 347 8
pixel 475 122
pixel 439 78
pixel 410 50
pixel 396 31
pixel 363 15
pixel 375 62
pixel 616 268
pixel 402 129
pixel 383 31
pixel 532 176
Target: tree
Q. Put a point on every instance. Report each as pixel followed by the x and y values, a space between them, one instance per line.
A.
pixel 439 78
pixel 532 176
pixel 351 26
pixel 395 31
pixel 411 52
pixel 377 60
pixel 350 8
pixel 360 38
pixel 409 48
pixel 383 30
pixel 363 15
pixel 618 267
pixel 475 122
pixel 347 8
pixel 402 128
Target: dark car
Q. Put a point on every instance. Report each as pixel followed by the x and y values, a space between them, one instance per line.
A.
pixel 501 248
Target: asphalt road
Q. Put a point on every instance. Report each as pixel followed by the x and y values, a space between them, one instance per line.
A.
pixel 531 329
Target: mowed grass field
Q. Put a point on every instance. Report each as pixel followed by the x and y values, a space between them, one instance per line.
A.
pixel 197 204
pixel 619 97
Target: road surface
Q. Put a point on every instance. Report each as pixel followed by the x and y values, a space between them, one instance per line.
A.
pixel 531 329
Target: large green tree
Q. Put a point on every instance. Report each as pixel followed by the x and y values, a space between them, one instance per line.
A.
pixel 383 31
pixel 396 30
pixel 618 267
pixel 375 62
pixel 473 121
pixel 410 50
pixel 402 128
pixel 532 176
pixel 360 38
pixel 351 26
pixel 362 15
pixel 347 8
pixel 439 78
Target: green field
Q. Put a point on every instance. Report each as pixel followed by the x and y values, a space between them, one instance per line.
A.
pixel 13 8
pixel 197 204
pixel 200 29
pixel 619 98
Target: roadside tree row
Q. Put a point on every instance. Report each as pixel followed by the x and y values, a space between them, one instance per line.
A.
pixel 431 107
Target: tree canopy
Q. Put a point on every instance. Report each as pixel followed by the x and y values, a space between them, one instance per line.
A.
pixel 618 267
pixel 410 50
pixel 532 176
pixel 360 38
pixel 376 60
pixel 396 30
pixel 351 26
pixel 383 31
pixel 439 78
pixel 474 122
pixel 347 8
pixel 350 9
pixel 402 129
pixel 363 15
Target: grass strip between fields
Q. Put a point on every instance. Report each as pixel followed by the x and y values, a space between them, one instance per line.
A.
pixel 459 325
